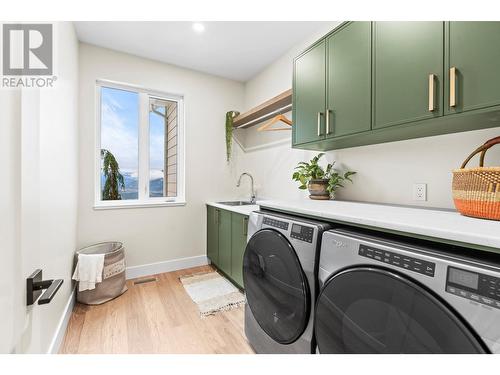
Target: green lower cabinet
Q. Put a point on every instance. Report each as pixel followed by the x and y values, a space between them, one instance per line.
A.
pixel 213 234
pixel 474 52
pixel 224 262
pixel 348 108
pixel 238 244
pixel 226 242
pixel 405 55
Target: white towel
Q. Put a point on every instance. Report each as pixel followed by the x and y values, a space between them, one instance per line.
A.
pixel 88 271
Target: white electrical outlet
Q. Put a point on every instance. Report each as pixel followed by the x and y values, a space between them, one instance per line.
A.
pixel 419 192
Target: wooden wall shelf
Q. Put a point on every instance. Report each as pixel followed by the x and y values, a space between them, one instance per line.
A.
pixel 272 107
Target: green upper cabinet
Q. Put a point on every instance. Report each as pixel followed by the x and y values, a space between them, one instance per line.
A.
pixel 376 82
pixel 309 94
pixel 238 244
pixel 406 54
pixel 224 262
pixel 213 234
pixel 474 51
pixel 348 108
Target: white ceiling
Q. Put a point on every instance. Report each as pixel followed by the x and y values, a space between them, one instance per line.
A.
pixel 235 50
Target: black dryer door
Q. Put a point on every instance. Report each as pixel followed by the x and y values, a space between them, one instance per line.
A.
pixel 372 310
pixel 276 289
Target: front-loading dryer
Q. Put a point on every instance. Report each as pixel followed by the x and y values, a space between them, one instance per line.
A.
pixel 280 276
pixel 382 294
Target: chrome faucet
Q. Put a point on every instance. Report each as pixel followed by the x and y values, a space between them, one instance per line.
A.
pixel 252 197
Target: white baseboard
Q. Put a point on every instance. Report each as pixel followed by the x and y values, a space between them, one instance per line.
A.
pixel 63 324
pixel 166 266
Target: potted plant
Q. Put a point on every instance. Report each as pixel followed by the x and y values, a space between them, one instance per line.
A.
pixel 322 183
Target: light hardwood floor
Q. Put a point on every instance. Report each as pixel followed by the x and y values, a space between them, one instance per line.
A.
pixel 156 317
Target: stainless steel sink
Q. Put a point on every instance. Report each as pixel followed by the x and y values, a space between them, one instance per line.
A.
pixel 236 203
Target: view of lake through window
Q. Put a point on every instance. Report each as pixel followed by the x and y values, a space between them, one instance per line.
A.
pixel 139 145
pixel 120 136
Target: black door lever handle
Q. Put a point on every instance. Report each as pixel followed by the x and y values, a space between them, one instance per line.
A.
pixel 50 292
pixel 35 285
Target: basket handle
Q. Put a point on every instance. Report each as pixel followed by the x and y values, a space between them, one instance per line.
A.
pixel 481 149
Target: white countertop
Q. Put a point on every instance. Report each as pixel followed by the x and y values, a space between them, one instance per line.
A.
pixel 443 224
pixel 244 210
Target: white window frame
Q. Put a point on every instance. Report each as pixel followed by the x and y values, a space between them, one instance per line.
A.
pixel 144 200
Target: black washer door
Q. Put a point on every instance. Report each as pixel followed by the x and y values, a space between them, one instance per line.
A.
pixel 275 285
pixel 372 310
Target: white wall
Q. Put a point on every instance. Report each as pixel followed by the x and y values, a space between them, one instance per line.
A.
pixel 161 233
pixel 386 172
pixel 40 200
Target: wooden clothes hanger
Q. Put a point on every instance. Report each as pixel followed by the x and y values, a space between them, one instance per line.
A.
pixel 276 119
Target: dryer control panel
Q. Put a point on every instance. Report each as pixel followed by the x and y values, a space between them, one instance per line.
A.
pixel 275 223
pixel 474 286
pixel 299 232
pixel 302 232
pixel 396 259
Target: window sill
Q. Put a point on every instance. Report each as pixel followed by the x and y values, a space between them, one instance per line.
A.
pixel 113 205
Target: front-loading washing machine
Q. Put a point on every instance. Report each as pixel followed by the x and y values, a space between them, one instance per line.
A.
pixel 387 295
pixel 280 276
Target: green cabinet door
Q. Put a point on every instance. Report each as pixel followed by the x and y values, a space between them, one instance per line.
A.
pixel 224 262
pixel 309 95
pixel 405 54
pixel 238 244
pixel 474 52
pixel 348 108
pixel 213 234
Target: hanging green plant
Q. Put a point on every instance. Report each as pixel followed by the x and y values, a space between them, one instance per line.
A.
pixel 229 132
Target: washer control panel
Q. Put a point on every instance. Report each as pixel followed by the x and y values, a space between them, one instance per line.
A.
pixel 302 232
pixel 402 261
pixel 275 223
pixel 474 286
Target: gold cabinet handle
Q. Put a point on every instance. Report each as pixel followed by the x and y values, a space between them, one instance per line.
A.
pixel 432 78
pixel 327 121
pixel 453 86
pixel 319 123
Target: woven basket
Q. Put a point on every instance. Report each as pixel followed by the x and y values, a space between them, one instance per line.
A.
pixel 476 191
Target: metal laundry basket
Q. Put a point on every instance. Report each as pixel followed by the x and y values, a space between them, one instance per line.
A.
pixel 113 279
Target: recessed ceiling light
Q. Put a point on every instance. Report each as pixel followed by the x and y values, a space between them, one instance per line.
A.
pixel 198 27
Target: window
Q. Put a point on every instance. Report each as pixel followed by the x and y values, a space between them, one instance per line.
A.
pixel 139 147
